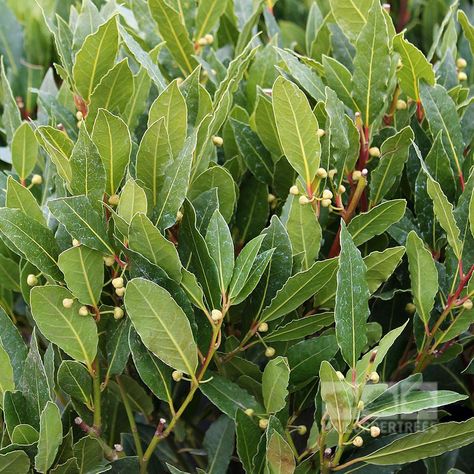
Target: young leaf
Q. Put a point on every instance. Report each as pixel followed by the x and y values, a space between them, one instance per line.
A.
pixel 24 150
pixel 161 324
pixel 352 296
pixel 275 384
pixel 20 197
pixel 371 64
pixel 51 435
pixel 6 374
pixel 297 128
pixel 74 334
pixel 423 274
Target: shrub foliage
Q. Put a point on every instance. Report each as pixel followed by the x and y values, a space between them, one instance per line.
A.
pixel 236 236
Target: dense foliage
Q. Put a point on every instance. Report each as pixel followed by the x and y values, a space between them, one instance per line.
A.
pixel 236 235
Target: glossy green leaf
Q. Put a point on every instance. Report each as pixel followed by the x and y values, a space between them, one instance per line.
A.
pixel 280 457
pixel 75 380
pixel 423 274
pixel 352 309
pixel 350 15
pixel 219 444
pixel 297 127
pixel 161 324
pixel 248 436
pixel 14 462
pixel 11 119
pixel 275 384
pixel 7 381
pixel 51 435
pixel 74 334
pixel 20 197
pixel 24 150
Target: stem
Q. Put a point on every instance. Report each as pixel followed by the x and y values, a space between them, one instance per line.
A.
pixel 131 420
pixel 97 423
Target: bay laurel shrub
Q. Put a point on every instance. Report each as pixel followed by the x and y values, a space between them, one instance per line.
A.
pixel 236 236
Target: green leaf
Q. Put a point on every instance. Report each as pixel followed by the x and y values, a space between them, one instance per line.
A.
pixel 351 15
pixel 75 380
pixel 24 434
pixel 228 397
pixel 297 128
pixel 88 174
pixel 20 197
pixel 376 221
pixel 243 266
pixel 207 15
pixel 51 435
pixel 113 92
pixel 467 28
pixel 380 265
pixel 442 116
pixel 11 119
pixel 275 384
pixel 161 324
pixel 147 240
pixel 74 334
pixel 153 157
pixel 300 328
pixel 7 381
pixel 371 66
pixel 248 437
pixel 304 231
pixel 175 186
pixel 265 125
pixel 352 297
pixel 117 347
pixel 82 222
pixel 297 289
pixel 133 200
pixel 153 372
pixel 443 210
pixel 14 462
pixel 24 150
pixel 394 154
pixel 415 67
pixel 254 153
pixel 423 275
pixel 112 138
pixel 431 442
pixel 280 457
pixel 221 248
pixel 336 394
pixel 173 31
pixel 83 270
pixel 219 444
pixel 171 106
pixel 32 240
pixel 95 58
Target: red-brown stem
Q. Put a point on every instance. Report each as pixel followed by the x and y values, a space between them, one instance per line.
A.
pixel 403 15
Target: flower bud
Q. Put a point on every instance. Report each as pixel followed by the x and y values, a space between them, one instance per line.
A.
pixel 320 133
pixel 216 315
pixel 36 179
pixel 263 327
pixel 374 377
pixel 294 190
pixel 327 194
pixel 461 63
pixel 118 448
pixel 75 243
pixel 177 375
pixel 218 141
pixel 374 431
pixel 118 313
pixel 271 198
pixel 79 115
pixel 302 430
pixel 117 282
pixel 269 352
pixel 179 216
pixel 109 260
pixel 31 280
pixel 303 200
pixel 263 423
pixel 358 441
pixel 467 304
pixel 321 173
pixel 120 291
pixel 356 175
pixel 326 202
pixel 68 302
pixel 401 104
pixel 209 38
pixel 114 200
pixel 340 375
pixel 410 308
pixel 360 405
pixel 202 41
pixel 83 311
pixel 341 189
pixel 332 173
pixel 374 152
pixel 249 411
pixel 462 76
